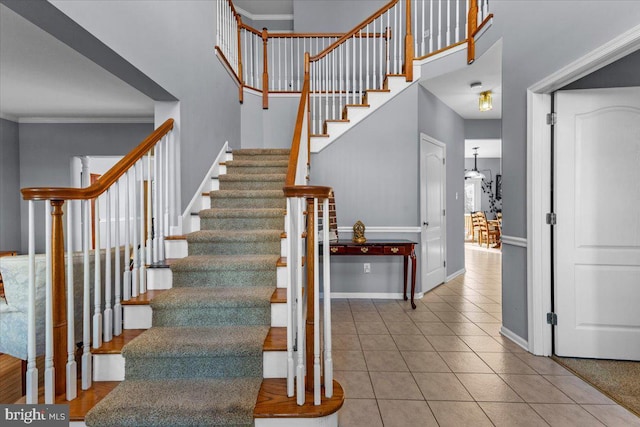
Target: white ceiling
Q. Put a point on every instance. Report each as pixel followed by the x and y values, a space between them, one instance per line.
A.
pixel 266 7
pixel 43 78
pixel 454 88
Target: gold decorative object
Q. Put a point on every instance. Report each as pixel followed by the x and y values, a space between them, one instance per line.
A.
pixel 394 250
pixel 364 250
pixel 334 250
pixel 358 233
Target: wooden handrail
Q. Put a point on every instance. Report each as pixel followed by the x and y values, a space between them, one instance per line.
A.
pixel 290 179
pixel 484 22
pixel 472 25
pixel 311 191
pixel 106 180
pixel 355 30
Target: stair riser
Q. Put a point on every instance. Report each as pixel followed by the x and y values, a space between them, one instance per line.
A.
pixel 275 364
pixel 328 421
pixel 177 316
pixel 259 223
pixel 108 367
pixel 246 203
pixel 251 185
pixel 215 278
pixel 159 278
pixel 234 248
pixel 136 316
pixel 231 170
pixel 259 157
pixel 278 314
pixel 175 249
pixel 151 367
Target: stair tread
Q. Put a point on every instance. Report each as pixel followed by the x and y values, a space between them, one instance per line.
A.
pixel 247 194
pixel 216 236
pixel 241 212
pixel 143 299
pixel 215 297
pixel 279 296
pixel 176 237
pixel 178 402
pixel 276 339
pixel 258 163
pixel 118 342
pixel 261 151
pixel 198 341
pixel 254 177
pixel 225 262
pixel 273 401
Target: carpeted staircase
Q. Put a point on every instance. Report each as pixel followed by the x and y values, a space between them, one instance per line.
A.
pixel 201 362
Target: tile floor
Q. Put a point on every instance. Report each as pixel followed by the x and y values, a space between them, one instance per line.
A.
pixel 446 364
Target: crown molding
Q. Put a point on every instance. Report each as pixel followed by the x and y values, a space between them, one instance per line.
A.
pixel 257 17
pixel 96 120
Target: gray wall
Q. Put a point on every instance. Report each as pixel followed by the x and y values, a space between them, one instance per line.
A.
pixel 46 151
pixel 374 170
pixel 482 129
pixel 270 128
pixel 331 16
pixel 9 186
pixel 494 165
pixel 624 72
pixel 173 43
pixel 539 38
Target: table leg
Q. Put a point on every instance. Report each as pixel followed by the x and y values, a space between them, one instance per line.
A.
pixel 413 277
pixel 404 282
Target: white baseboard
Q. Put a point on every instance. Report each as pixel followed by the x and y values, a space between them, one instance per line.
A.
pixel 454 275
pixel 372 295
pixel 515 338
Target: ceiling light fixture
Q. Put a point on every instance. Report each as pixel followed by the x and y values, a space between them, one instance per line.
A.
pixel 476 85
pixel 474 173
pixel 485 102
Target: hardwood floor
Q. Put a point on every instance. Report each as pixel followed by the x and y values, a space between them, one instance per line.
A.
pixel 11 377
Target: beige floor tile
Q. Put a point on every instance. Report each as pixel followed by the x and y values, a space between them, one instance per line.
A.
pixel 433 328
pixel 348 360
pixel 412 342
pixel 448 343
pixel 402 328
pixel 367 316
pixel 388 306
pixel 361 304
pixel 481 317
pixel 578 390
pixel 341 316
pixel 343 328
pixel 543 365
pixel 506 363
pixel 406 413
pixel 488 388
pixel 465 362
pixel 423 316
pixel 459 414
pixel 424 361
pixel 467 307
pixel 535 389
pixel 483 343
pixel 441 386
pixel 512 414
pixel 466 329
pixel 439 306
pixel 377 342
pixel 566 415
pixel 359 413
pixel 388 361
pixel 356 384
pixel 613 415
pixel 433 296
pixel 395 316
pixel 367 328
pixel 346 342
pixel 395 385
pixel 492 329
pixel 509 345
pixel 451 316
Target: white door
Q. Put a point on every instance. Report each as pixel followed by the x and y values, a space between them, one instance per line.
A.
pixel 432 211
pixel 597 236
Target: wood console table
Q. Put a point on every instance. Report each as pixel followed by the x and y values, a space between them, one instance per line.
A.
pixel 405 248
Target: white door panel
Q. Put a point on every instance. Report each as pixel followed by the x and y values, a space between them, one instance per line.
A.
pixel 597 236
pixel 432 212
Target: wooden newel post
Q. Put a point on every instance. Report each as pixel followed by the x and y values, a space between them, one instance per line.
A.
pixel 265 67
pixel 408 46
pixel 472 25
pixel 310 326
pixel 58 293
pixel 240 72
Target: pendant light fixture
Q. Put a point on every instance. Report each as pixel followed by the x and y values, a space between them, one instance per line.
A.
pixel 474 173
pixel 485 102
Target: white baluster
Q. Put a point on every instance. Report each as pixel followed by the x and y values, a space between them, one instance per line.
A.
pixel 135 276
pixel 171 178
pixel 31 378
pixel 86 297
pixel 71 369
pixel 439 24
pixel 316 307
pixel 466 18
pixel 97 280
pixel 49 371
pixel 164 225
pixel 396 44
pixel 279 76
pixel 326 276
pixel 117 307
pixel 107 317
pixel 448 23
pixel 431 28
pixel 334 86
pixel 360 74
pixel 156 207
pixel 457 32
pixel 290 295
pixel 150 211
pixel 126 275
pixel 367 87
pixel 422 32
pixel 301 321
pixel 143 268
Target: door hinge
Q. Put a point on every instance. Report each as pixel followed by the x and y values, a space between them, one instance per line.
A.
pixel 552 319
pixel 444 161
pixel 444 212
pixel 552 118
pixel 444 263
pixel 551 218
